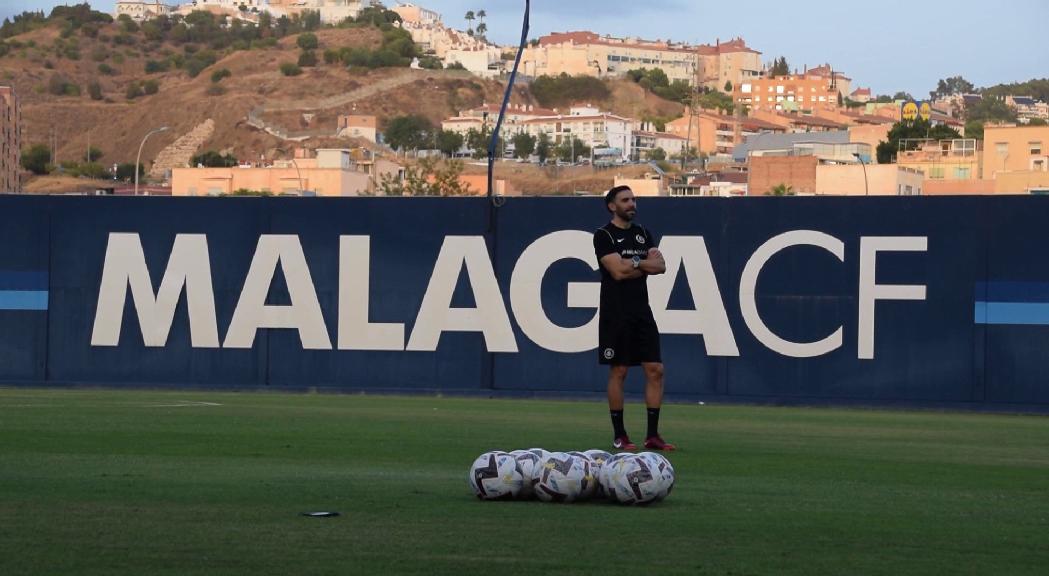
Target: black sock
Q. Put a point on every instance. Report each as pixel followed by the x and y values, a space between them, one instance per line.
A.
pixel 617 423
pixel 653 422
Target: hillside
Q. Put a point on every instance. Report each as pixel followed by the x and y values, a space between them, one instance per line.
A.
pixel 52 69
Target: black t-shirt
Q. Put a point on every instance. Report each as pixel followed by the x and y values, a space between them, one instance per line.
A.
pixel 626 298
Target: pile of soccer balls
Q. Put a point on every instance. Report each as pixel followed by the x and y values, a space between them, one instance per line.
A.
pixel 571 476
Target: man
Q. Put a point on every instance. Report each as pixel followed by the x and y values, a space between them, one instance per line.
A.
pixel 628 335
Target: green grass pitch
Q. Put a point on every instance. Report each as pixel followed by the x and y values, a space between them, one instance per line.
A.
pixel 140 482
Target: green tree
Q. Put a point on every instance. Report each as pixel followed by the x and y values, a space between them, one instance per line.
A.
pixel 410 132
pixel 974 129
pixel 728 87
pixel 307 41
pixel 134 90
pixel 542 147
pixel 656 154
pixel 126 171
pixel 524 144
pixel 780 190
pixel 212 159
pixel 1037 122
pixel 37 159
pixel 429 177
pixel 571 149
pixel 902 96
pixel 93 154
pixel 951 86
pixel 449 142
pixel 562 90
pixel 780 67
pixel 477 142
pixel 990 108
pixel 470 20
pixel 150 87
pixel 218 75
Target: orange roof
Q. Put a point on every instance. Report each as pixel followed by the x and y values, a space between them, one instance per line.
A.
pixel 812 121
pixel 825 71
pixel 747 122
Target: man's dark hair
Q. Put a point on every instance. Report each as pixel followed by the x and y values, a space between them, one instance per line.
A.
pixel 610 197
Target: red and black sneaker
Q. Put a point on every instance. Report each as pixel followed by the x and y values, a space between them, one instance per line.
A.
pixel 657 443
pixel 624 443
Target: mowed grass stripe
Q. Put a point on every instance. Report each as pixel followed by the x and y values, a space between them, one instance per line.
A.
pixel 112 482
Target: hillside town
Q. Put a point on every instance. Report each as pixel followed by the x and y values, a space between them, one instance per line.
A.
pixel 714 119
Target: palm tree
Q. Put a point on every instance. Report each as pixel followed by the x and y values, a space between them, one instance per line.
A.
pixel 482 28
pixel 470 18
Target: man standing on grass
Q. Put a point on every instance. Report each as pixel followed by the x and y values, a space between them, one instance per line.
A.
pixel 628 335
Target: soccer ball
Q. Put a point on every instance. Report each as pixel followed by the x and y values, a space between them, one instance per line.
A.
pixel 632 480
pixel 563 478
pixel 662 470
pixel 605 471
pixel 542 454
pixel 495 476
pixel 597 462
pixel 528 464
pixel 591 487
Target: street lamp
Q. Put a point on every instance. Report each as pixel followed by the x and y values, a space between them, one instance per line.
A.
pixel 866 188
pixel 298 174
pixel 139 157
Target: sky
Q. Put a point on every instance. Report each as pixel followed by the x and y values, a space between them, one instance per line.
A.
pixel 889 46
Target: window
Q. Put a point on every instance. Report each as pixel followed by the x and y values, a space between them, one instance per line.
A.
pixel 1038 165
pixel 936 173
pixel 1036 148
pixel 779 89
pixel 962 173
pixel 1001 148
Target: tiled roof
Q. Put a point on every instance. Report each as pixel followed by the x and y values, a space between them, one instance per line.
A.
pixel 813 121
pixel 587 37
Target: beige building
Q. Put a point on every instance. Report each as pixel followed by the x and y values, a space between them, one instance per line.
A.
pixel 141 10
pixel 1027 108
pixel 416 14
pixel 808 175
pixel 584 53
pixel 485 116
pixel 1016 158
pixel 594 128
pixel 357 126
pixel 713 134
pixel 10 141
pixel 331 11
pixel 644 142
pixel 332 172
pixel 957 159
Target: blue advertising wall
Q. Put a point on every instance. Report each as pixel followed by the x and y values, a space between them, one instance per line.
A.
pixel 978 338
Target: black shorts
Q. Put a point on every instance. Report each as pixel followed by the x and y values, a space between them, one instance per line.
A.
pixel 627 341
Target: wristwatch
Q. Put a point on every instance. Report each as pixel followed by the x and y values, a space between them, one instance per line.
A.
pixel 636 261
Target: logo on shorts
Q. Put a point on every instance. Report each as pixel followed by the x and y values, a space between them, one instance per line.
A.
pixel 609 353
pixel 640 238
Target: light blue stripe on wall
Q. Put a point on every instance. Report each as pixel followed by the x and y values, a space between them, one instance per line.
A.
pixel 1012 313
pixel 23 299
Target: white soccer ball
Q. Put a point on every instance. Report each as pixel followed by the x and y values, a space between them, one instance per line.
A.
pixel 541 453
pixel 604 473
pixel 495 476
pixel 632 480
pixel 597 462
pixel 662 470
pixel 563 478
pixel 528 464
pixel 591 487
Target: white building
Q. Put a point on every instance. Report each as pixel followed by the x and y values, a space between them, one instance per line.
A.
pixel 594 128
pixel 141 10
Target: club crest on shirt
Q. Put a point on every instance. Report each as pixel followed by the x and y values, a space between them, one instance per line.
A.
pixel 609 353
pixel 640 238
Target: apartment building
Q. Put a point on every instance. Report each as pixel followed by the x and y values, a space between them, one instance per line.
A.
pixel 957 159
pixel 584 53
pixel 1027 108
pixel 485 116
pixel 1009 147
pixel 331 11
pixel 10 140
pixel 644 142
pixel 794 93
pixel 413 14
pixel 807 173
pixel 594 128
pixel 711 133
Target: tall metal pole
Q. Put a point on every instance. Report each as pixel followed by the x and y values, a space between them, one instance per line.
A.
pixel 866 185
pixel 138 158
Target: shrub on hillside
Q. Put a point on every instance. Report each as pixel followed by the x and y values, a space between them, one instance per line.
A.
pixel 290 69
pixel 218 75
pixel 58 85
pixel 94 90
pixel 37 158
pixel 215 90
pixel 134 90
pixel 156 66
pixel 151 87
pixel 307 41
pixel 106 70
pixel 552 91
pixel 308 58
